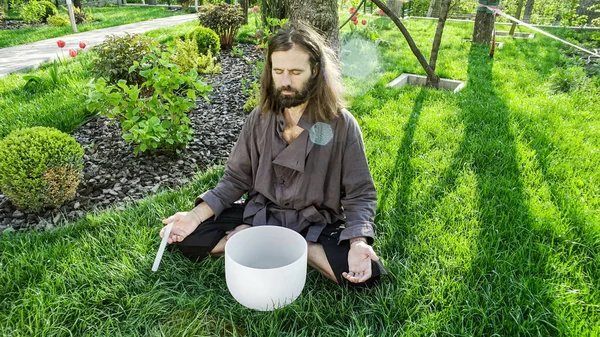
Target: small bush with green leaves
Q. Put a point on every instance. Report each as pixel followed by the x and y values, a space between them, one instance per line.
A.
pixel 49 9
pixel 2 13
pixel 185 4
pixel 81 16
pixel 118 53
pixel 224 19
pixel 33 12
pixel 186 57
pixel 155 121
pixel 568 80
pixel 40 167
pixel 206 39
pixel 59 20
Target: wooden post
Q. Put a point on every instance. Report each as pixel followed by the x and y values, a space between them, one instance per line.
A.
pixel 518 16
pixel 72 16
pixel 196 5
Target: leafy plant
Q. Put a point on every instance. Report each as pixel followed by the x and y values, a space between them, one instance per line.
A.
pixel 206 40
pixel 186 57
pixel 59 20
pixel 81 16
pixel 39 167
pixel 117 54
pixel 224 19
pixel 154 115
pixel 568 80
pixel 33 12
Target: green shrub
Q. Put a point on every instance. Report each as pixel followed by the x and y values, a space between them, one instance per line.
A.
pixel 118 53
pixel 59 20
pixel 568 80
pixel 186 57
pixel 39 167
pixel 33 12
pixel 185 4
pixel 224 19
pixel 49 9
pixel 2 13
pixel 81 16
pixel 206 39
pixel 158 121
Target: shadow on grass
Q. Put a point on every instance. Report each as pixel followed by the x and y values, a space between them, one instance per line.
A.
pixel 504 291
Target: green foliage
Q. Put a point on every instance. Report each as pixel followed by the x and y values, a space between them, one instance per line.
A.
pixel 275 9
pixel 117 54
pixel 81 16
pixel 568 79
pixel 252 90
pixel 224 19
pixel 154 115
pixel 39 167
pixel 49 9
pixel 33 12
pixel 187 57
pixel 59 20
pixel 2 13
pixel 185 4
pixel 206 39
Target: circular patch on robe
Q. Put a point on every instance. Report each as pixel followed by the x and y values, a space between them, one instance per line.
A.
pixel 321 133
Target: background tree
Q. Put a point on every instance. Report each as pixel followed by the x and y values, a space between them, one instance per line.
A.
pixel 484 23
pixel 321 14
pixel 518 16
pixel 528 11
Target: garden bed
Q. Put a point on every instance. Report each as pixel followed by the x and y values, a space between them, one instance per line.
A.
pixel 113 175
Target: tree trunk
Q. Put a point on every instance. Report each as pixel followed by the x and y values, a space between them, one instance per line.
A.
pixel 484 25
pixel 321 14
pixel 244 4
pixel 395 6
pixel 528 11
pixel 437 40
pixel 411 42
pixel 517 16
pixel 434 8
pixel 77 3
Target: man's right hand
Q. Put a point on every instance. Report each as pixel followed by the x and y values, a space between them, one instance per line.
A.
pixel 184 223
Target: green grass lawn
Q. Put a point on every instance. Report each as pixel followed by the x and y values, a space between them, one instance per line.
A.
pixel 488 220
pixel 104 17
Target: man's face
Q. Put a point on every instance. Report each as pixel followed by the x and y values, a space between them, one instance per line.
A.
pixel 291 74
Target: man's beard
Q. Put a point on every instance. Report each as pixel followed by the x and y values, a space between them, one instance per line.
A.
pixel 298 97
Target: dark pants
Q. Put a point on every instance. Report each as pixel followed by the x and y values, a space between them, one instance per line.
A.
pixel 199 243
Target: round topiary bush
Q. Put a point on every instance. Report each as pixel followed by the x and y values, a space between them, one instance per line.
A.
pixel 206 39
pixel 39 167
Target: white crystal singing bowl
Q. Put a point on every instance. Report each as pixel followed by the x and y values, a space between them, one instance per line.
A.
pixel 265 266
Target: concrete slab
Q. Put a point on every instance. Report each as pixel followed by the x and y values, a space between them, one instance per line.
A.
pixel 420 80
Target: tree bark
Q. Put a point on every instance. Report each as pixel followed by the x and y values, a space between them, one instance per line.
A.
pixel 434 8
pixel 244 4
pixel 321 14
pixel 395 6
pixel 437 40
pixel 77 3
pixel 484 25
pixel 411 43
pixel 517 16
pixel 528 11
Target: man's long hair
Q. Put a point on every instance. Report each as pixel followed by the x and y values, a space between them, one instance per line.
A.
pixel 325 99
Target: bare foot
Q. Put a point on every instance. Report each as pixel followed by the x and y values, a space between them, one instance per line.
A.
pixel 237 229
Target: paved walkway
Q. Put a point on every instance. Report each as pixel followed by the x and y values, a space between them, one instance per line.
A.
pixel 31 55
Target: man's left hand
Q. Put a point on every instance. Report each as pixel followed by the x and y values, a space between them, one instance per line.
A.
pixel 359 262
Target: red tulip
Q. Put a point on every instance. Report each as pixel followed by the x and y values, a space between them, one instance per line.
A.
pixel 364 22
pixel 381 12
pixel 72 52
pixel 351 10
pixel 82 45
pixel 255 9
pixel 355 22
pixel 61 43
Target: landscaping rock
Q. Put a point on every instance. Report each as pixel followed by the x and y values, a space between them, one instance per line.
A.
pixel 113 174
